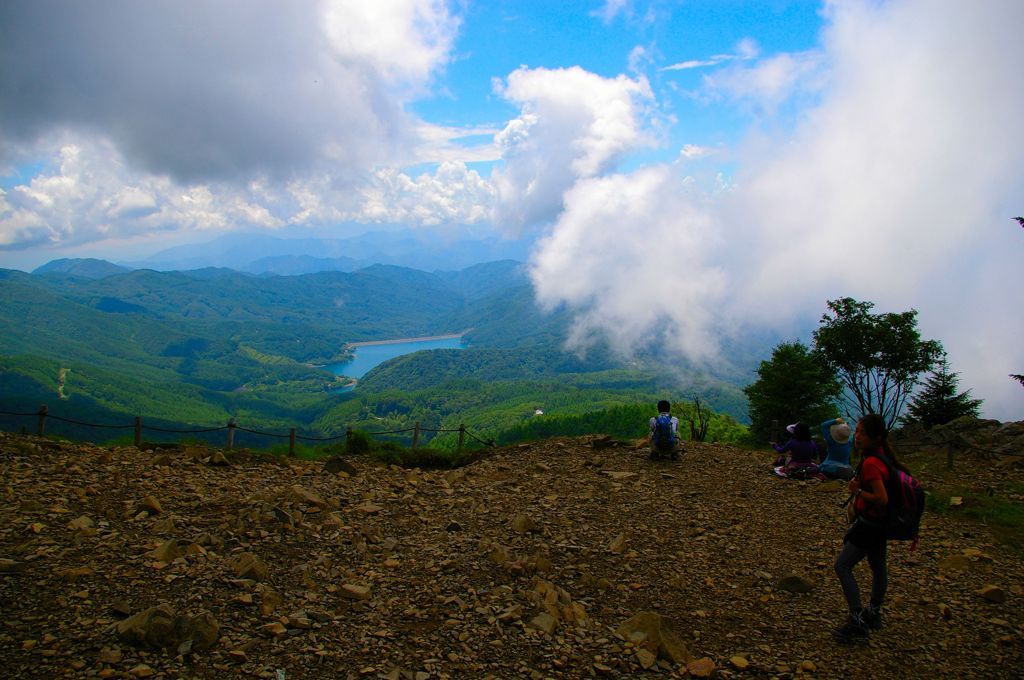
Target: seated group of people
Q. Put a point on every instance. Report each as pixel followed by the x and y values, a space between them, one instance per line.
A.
pixel 804 458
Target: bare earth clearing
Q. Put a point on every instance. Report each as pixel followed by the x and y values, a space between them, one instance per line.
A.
pixel 524 564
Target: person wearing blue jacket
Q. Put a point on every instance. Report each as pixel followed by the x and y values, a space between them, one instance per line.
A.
pixel 838 444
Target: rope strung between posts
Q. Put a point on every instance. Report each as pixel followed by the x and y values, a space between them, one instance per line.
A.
pixel 262 434
pixel 321 439
pixel 489 442
pixel 78 422
pixel 44 413
pixel 208 429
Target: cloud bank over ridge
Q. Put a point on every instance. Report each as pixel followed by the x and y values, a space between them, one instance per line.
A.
pixel 893 187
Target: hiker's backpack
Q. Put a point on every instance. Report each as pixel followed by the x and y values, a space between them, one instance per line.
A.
pixel 905 506
pixel 663 438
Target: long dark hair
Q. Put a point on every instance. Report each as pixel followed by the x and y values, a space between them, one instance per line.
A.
pixel 876 431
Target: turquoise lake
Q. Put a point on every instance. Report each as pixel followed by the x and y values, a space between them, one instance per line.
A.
pixel 368 356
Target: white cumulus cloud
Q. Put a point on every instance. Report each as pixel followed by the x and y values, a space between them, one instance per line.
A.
pixel 574 124
pixel 634 255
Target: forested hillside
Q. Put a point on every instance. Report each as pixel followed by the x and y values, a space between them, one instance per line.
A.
pixel 202 346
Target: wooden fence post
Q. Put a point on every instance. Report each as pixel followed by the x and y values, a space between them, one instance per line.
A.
pixel 291 442
pixel 231 433
pixel 348 439
pixel 42 419
pixel 775 429
pixel 138 431
pixel 462 436
pixel 415 435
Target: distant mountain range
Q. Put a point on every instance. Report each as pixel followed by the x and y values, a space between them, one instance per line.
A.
pixel 207 342
pixel 263 254
pixel 87 268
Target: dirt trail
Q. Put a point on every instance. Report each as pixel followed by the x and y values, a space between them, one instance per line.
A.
pixel 524 564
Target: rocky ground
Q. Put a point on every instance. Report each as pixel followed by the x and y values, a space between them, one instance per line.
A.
pixel 563 559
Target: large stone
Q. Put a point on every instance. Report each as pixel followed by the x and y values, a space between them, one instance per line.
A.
pixel 269 601
pixel 160 627
pixel 203 631
pixel 701 668
pixel 153 627
pixel 653 630
pixel 544 622
pixel 993 594
pixel 308 497
pixel 218 458
pixel 646 658
pixel 81 523
pixel 795 583
pixel 168 551
pixel 499 555
pixel 355 592
pixel 149 505
pixel 522 524
pixel 337 464
pixel 619 475
pixel 511 613
pixel 247 565
pixel 618 544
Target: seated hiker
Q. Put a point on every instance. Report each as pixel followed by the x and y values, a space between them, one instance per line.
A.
pixel 836 464
pixel 664 435
pixel 801 449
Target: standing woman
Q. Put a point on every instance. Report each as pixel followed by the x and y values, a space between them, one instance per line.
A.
pixel 866 536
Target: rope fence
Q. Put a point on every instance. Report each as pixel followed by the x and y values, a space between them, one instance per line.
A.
pixel 43 414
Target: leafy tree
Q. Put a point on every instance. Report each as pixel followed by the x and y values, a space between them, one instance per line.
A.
pixel 938 402
pixel 878 358
pixel 795 384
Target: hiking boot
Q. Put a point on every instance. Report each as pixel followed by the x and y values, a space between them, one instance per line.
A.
pixel 853 630
pixel 872 617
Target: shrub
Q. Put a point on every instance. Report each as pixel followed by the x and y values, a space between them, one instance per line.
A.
pixel 357 443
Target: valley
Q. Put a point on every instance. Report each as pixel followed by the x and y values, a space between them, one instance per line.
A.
pixel 176 347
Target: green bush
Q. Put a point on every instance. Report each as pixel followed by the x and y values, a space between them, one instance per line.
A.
pixel 302 451
pixel 390 453
pixel 357 443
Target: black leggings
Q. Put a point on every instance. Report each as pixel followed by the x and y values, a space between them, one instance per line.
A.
pixel 853 553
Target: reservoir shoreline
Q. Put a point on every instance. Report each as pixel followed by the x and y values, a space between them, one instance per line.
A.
pixel 366 355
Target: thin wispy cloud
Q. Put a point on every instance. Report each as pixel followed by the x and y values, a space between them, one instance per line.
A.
pixel 746 50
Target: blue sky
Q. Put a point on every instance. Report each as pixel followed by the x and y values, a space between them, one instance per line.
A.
pixel 747 161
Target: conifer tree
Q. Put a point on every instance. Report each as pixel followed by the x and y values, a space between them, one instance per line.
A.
pixel 938 401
